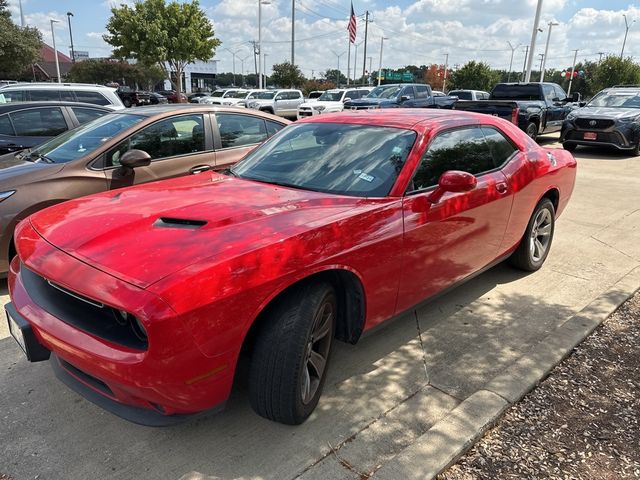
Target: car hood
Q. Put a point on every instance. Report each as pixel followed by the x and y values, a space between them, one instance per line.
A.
pixel 370 101
pixel 145 233
pixel 15 171
pixel 326 104
pixel 607 112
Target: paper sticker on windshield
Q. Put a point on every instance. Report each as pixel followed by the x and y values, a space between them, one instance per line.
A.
pixel 357 172
pixel 366 178
pixel 396 150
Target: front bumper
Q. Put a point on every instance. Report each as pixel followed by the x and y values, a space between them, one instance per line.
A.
pixel 616 136
pixel 172 377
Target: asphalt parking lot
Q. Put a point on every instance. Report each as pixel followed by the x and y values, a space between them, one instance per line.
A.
pixel 381 394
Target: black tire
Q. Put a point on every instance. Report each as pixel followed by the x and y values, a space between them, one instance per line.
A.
pixel 569 147
pixel 530 256
pixel 127 103
pixel 267 110
pixel 636 151
pixel 282 363
pixel 532 130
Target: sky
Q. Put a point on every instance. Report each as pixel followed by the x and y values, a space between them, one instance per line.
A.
pixel 419 32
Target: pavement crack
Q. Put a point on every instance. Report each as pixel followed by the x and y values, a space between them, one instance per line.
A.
pixel 614 248
pixel 345 464
pixel 424 352
pixel 569 274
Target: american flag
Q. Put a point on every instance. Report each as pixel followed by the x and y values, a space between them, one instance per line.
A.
pixel 352 26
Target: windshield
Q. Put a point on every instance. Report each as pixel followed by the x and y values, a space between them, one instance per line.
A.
pixel 265 95
pixel 330 96
pixel 219 93
pixel 83 140
pixel 238 94
pixel 516 92
pixel 461 95
pixel 616 99
pixel 390 91
pixel 355 160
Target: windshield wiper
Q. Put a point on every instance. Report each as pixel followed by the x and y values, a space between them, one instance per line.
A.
pixel 40 156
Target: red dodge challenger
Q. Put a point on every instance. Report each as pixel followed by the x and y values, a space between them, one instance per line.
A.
pixel 144 298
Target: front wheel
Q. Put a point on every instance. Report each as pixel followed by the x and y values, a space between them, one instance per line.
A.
pixel 127 103
pixel 532 130
pixel 536 242
pixel 291 353
pixel 569 147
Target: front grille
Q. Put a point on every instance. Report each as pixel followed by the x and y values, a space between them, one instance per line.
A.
pixel 594 123
pixel 305 112
pixel 613 138
pixel 80 312
pixel 86 378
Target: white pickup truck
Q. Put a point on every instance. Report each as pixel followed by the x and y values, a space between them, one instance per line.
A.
pixel 283 103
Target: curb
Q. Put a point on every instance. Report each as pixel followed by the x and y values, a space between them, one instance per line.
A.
pixel 447 440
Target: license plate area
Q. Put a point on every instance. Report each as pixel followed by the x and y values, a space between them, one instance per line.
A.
pixel 590 136
pixel 22 333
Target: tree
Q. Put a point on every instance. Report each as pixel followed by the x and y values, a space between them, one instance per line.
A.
pixel 287 75
pixel 169 35
pixel 474 76
pixel 613 70
pixel 104 71
pixel 333 75
pixel 19 47
pixel 434 76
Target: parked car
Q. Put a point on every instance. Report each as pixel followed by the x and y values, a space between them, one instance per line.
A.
pixel 610 119
pixel 401 95
pixel 537 108
pixel 131 97
pixel 156 99
pixel 28 124
pixel 198 97
pixel 173 97
pixel 238 98
pixel 220 96
pixel 283 103
pixel 65 92
pixel 166 141
pixel 144 298
pixel 331 101
pixel 4 83
pixel 314 96
pixel 470 94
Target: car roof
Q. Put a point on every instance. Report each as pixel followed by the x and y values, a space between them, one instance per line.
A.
pixel 60 86
pixel 13 106
pixel 406 118
pixel 167 108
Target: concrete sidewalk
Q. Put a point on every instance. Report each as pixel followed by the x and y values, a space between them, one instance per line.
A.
pixel 403 403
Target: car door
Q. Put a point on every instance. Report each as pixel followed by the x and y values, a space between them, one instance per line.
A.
pixel 236 134
pixel 178 145
pixel 555 109
pixel 33 126
pixel 446 241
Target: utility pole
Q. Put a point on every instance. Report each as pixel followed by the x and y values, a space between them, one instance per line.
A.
pixel 573 69
pixel 534 34
pixel 380 64
pixel 256 52
pixel 446 67
pixel 22 24
pixel 627 26
pixel 73 53
pixel 546 50
pixel 366 28
pixel 524 65
pixel 541 55
pixel 600 59
pixel 513 49
pixel 293 31
pixel 55 52
pixel 338 74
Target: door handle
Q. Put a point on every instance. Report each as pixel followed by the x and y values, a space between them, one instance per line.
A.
pixel 502 187
pixel 199 169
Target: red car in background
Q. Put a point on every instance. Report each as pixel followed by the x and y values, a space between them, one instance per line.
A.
pixel 144 298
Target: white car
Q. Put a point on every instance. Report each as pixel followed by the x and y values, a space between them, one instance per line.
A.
pixel 470 94
pixel 283 103
pixel 331 101
pixel 219 96
pixel 240 98
pixel 66 92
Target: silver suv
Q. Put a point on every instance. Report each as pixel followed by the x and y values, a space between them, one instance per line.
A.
pixel 66 92
pixel 283 103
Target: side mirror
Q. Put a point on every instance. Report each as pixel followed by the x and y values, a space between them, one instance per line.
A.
pixel 347 99
pixel 453 181
pixel 404 98
pixel 135 158
pixel 575 97
pixel 556 99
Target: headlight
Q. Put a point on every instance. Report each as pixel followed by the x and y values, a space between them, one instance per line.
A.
pixel 572 115
pixel 627 119
pixel 7 194
pixel 319 108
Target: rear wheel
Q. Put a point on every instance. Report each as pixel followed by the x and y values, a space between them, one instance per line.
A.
pixel 532 130
pixel 536 242
pixel 569 147
pixel 127 102
pixel 636 151
pixel 291 353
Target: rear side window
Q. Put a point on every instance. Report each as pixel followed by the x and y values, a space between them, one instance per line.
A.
pixel 463 149
pixel 91 97
pixel 273 128
pixel 67 96
pixel 85 115
pixel 240 130
pixel 501 148
pixel 12 96
pixel 39 122
pixel 48 95
pixel 421 91
pixel 5 126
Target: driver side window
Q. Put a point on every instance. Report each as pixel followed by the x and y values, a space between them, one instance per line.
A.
pixel 408 92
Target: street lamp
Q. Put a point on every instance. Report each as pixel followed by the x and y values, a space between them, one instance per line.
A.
pixel 264 70
pixel 627 26
pixel 513 49
pixel 355 60
pixel 534 35
pixel 546 50
pixel 338 74
pixel 380 63
pixel 260 3
pixel 242 60
pixel 234 53
pixel 541 55
pixel 55 52
pixel 446 67
pixel 73 53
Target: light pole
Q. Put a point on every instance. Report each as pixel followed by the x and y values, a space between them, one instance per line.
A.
pixel 73 53
pixel 355 60
pixel 55 52
pixel 573 69
pixel 446 67
pixel 264 69
pixel 338 74
pixel 546 50
pixel 513 49
pixel 627 26
pixel 541 55
pixel 242 60
pixel 532 48
pixel 260 3
pixel 233 53
pixel 380 63
pixel 293 31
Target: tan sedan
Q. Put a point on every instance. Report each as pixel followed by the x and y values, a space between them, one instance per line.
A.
pixel 122 149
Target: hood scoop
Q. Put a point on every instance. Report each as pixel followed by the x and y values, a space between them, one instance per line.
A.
pixel 170 222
